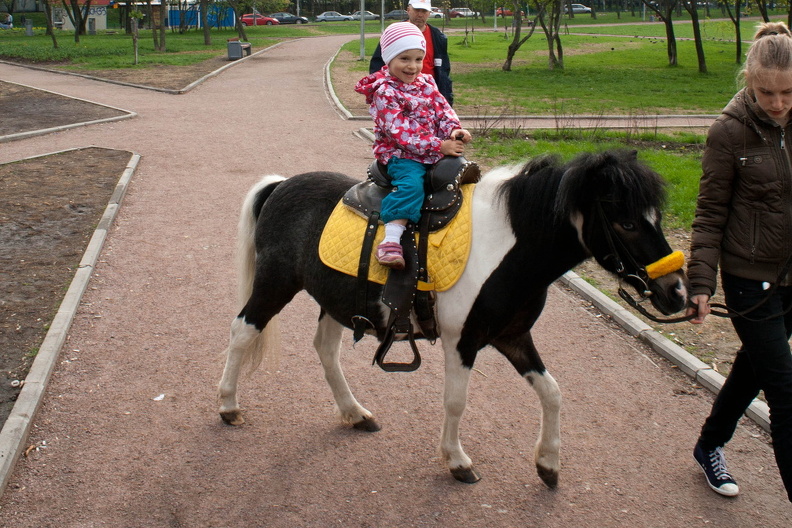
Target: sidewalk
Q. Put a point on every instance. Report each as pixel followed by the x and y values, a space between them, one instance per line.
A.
pixel 155 319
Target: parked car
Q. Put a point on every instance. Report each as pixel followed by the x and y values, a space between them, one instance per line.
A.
pixel 396 14
pixel 333 16
pixel 436 13
pixel 258 20
pixel 578 9
pixel 463 12
pixel 367 15
pixel 507 12
pixel 288 18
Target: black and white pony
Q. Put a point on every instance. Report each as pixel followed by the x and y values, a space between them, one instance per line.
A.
pixel 531 224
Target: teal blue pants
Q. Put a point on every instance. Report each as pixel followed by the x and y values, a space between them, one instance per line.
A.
pixel 405 202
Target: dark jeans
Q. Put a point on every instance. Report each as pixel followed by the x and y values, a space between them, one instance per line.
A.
pixel 764 362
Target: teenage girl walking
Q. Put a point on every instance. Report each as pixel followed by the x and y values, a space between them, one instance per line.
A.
pixel 744 224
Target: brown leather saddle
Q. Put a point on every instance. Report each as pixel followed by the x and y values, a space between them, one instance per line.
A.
pixel 401 294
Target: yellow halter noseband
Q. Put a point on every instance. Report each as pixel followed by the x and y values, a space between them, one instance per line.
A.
pixel 664 266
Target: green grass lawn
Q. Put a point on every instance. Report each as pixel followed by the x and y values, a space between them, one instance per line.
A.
pixel 602 75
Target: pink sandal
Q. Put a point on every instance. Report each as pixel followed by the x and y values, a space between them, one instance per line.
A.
pixel 390 255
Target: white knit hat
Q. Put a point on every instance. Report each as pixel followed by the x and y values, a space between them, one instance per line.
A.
pixel 399 37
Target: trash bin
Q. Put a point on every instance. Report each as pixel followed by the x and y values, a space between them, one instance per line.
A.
pixel 29 28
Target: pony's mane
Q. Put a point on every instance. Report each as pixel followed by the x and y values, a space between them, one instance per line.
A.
pixel 545 190
pixel 614 176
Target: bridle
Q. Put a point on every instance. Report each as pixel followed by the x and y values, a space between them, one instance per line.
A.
pixel 664 266
pixel 643 275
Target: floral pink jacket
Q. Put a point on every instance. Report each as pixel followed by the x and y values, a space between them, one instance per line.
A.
pixel 410 120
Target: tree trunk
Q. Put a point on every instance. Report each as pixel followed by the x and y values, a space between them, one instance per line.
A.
pixel 671 46
pixel 665 12
pixel 236 6
pixel 691 7
pixel 73 18
pixel 735 18
pixel 207 34
pixel 762 5
pixel 517 41
pixel 163 21
pixel 552 29
pixel 150 15
pixel 50 30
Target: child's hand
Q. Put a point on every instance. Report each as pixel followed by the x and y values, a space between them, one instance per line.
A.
pixel 462 135
pixel 456 145
pixel 452 147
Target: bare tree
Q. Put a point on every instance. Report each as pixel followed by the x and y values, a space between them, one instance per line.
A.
pixel 762 5
pixel 237 6
pixel 665 11
pixel 163 18
pixel 150 16
pixel 50 29
pixel 735 18
pixel 207 33
pixel 518 41
pixel 78 15
pixel 692 8
pixel 550 20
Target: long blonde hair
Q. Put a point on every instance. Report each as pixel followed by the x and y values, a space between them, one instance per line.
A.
pixel 771 51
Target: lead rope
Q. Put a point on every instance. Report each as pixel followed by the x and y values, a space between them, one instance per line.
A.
pixel 727 312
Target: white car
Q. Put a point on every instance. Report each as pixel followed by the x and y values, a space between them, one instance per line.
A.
pixel 436 13
pixel 367 15
pixel 462 12
pixel 333 16
pixel 578 9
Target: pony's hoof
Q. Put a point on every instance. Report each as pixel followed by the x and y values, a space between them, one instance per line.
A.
pixel 466 475
pixel 548 476
pixel 369 425
pixel 232 417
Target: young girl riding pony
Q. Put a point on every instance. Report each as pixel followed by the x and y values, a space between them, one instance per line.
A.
pixel 414 127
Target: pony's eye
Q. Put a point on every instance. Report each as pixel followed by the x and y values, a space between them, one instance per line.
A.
pixel 628 226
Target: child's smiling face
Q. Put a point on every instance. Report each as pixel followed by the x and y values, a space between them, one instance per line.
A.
pixel 407 65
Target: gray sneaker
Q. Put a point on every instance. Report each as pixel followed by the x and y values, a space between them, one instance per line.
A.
pixel 714 465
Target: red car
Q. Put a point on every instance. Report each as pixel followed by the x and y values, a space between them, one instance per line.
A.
pixel 507 12
pixel 259 20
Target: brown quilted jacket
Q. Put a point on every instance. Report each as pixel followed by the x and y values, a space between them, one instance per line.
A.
pixel 744 209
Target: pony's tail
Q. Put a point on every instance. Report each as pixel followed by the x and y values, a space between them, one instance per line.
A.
pixel 267 344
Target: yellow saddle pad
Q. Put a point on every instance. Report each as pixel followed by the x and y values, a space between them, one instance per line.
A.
pixel 342 238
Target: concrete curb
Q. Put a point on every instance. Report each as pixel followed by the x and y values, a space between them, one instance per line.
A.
pixel 17 426
pixel 758 411
pixel 41 132
pixel 686 362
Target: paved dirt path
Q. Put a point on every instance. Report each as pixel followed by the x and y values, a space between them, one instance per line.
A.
pixel 155 320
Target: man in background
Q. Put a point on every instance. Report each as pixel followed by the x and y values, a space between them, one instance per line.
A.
pixel 436 62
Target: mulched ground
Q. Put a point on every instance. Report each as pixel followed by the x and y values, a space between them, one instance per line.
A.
pixel 36 109
pixel 49 207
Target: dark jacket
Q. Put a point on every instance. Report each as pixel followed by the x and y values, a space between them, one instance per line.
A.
pixel 442 73
pixel 744 209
